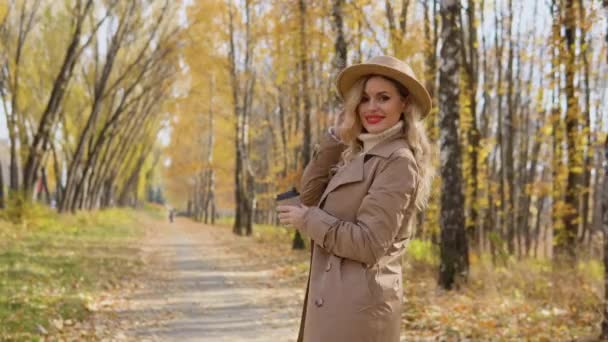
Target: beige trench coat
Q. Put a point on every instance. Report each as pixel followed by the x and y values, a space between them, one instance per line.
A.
pixel 359 223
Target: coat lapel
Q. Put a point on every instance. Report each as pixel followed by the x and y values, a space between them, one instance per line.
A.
pixel 352 173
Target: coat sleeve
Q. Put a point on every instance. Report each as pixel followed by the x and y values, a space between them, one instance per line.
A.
pixel 317 173
pixel 378 218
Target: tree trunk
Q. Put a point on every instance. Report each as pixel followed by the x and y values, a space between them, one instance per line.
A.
pixel 244 192
pixel 556 121
pixel 340 47
pixel 487 224
pixel 298 242
pixel 76 175
pixel 430 53
pixel 397 34
pixel 36 150
pixel 471 67
pixel 57 170
pixel 13 115
pixel 13 171
pixel 509 139
pixel 571 216
pixel 533 137
pixel 454 251
pixel 45 187
pixel 2 199
pixel 130 188
pixel 502 211
pixel 604 191
pixel 210 190
pixel 589 137
pixel 118 139
pixel 236 229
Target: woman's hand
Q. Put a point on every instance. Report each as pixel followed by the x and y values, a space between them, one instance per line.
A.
pixel 291 215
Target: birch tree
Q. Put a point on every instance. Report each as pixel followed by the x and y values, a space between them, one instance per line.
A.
pixel 454 262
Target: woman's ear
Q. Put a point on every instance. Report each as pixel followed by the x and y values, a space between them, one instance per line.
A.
pixel 404 103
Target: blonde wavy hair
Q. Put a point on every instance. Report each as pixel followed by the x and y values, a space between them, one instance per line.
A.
pixel 414 133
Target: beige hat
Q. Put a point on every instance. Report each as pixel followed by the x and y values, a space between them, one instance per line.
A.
pixel 390 67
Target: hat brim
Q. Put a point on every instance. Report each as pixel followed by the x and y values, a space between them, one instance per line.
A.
pixel 347 78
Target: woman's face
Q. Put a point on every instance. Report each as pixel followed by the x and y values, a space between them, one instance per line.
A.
pixel 381 105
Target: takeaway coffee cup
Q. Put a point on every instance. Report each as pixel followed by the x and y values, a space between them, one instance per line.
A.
pixel 291 197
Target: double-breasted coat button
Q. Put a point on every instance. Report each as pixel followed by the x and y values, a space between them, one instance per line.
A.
pixel 319 302
pixel 328 267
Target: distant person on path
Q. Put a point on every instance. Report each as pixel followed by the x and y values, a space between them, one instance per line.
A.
pixel 171 214
pixel 361 191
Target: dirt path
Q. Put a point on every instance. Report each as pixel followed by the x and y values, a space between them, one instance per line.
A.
pixel 198 287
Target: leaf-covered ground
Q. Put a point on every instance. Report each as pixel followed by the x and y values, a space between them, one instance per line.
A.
pixel 111 283
pixel 525 300
pixel 51 268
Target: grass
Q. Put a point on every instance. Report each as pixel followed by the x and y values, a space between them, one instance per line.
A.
pixel 224 221
pixel 52 265
pixel 156 211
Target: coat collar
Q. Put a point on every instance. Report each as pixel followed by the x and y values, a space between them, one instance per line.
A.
pixel 387 147
pixel 354 171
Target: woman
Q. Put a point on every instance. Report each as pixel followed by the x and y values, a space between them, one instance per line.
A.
pixel 367 179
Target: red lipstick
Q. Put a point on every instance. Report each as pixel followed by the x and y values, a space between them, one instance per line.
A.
pixel 373 119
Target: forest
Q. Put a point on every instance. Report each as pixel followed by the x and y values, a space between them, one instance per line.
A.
pixel 213 107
